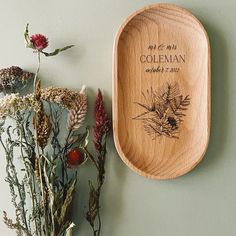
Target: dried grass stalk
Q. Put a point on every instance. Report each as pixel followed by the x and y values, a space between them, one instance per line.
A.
pixel 77 113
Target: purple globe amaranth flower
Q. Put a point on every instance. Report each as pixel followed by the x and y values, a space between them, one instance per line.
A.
pixel 39 41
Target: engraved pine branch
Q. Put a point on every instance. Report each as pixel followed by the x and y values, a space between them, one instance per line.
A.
pixel 163 110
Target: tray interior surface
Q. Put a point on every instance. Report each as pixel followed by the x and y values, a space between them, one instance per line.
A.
pixel 161 58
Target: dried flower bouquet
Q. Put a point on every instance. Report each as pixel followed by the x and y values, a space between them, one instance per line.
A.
pixel 43 188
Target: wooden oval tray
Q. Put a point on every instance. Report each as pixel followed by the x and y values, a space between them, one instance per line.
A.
pixel 161 91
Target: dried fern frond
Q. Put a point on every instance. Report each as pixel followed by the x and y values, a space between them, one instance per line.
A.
pixel 77 113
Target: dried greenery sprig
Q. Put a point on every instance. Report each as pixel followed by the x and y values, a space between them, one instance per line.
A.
pixel 39 182
pixel 48 175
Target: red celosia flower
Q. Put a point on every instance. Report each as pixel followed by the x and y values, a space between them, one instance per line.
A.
pixel 102 123
pixel 39 41
pixel 74 157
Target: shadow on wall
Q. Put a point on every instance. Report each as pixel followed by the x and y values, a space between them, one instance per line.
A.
pixel 219 98
pixel 112 191
pixel 113 197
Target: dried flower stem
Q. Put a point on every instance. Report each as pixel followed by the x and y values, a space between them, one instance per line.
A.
pixel 12 178
pixel 40 159
pixel 90 156
pixel 63 166
pixel 101 129
pixel 51 193
pixel 32 193
pixel 37 71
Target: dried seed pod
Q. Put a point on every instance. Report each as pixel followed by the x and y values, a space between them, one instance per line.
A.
pixel 78 112
pixel 75 157
pixel 43 128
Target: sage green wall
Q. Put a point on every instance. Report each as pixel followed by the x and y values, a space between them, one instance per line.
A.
pixel 201 203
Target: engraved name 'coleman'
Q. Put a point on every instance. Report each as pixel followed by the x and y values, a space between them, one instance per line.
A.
pixel 162 58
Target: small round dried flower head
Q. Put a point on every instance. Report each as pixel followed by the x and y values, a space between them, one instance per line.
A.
pixel 39 41
pixel 14 79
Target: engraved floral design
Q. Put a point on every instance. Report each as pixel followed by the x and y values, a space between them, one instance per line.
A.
pixel 164 110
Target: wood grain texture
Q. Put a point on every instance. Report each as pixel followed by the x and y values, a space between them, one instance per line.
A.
pixel 161 57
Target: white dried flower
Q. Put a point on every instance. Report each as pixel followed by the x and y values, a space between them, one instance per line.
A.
pixel 62 96
pixel 13 103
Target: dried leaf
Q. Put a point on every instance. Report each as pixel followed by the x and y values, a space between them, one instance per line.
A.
pixel 28 43
pixel 93 206
pixel 80 140
pixel 56 51
pixel 68 201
